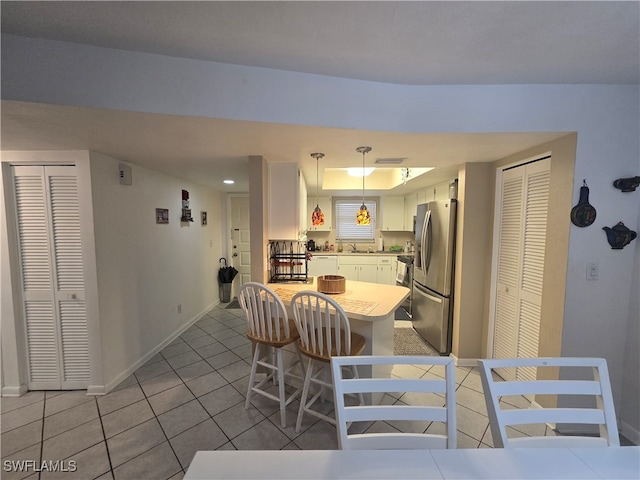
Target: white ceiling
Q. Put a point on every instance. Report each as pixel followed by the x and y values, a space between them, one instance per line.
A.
pixel 396 42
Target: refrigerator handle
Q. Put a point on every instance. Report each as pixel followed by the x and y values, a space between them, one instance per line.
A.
pixel 426 243
pixel 423 292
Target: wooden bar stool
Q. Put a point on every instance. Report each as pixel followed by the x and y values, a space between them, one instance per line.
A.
pixel 325 332
pixel 269 326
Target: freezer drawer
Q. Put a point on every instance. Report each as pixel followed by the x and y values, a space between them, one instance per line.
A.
pixel 432 318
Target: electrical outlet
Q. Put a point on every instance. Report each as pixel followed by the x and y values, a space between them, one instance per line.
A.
pixel 592 271
pixel 179 308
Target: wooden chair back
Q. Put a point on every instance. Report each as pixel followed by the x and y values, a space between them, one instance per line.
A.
pixel 266 314
pixel 586 378
pixel 322 324
pixel 399 411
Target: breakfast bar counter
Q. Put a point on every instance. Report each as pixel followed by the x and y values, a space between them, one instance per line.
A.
pixel 370 307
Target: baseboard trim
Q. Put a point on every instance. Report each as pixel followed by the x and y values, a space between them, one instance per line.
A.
pixel 14 391
pixel 96 390
pixel 464 362
pixel 101 390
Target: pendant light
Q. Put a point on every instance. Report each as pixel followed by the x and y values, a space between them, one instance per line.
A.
pixel 363 217
pixel 317 217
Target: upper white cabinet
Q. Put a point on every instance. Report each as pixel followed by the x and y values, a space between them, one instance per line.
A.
pixel 393 214
pixel 410 210
pixel 325 205
pixel 287 202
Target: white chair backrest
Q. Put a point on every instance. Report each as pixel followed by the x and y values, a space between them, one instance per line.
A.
pixel 345 415
pixel 266 314
pixel 591 380
pixel 319 319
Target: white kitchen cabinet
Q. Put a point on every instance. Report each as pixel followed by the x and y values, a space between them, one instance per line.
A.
pixel 392 214
pixel 361 267
pixel 287 202
pixel 304 221
pixel 387 268
pixel 325 205
pixel 410 210
pixel 322 265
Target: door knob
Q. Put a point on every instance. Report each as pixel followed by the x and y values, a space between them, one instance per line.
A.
pixel 235 254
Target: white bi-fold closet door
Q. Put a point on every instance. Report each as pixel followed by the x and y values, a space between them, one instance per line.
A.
pixel 520 265
pixel 49 238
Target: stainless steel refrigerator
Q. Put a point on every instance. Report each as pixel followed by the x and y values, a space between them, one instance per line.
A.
pixel 433 273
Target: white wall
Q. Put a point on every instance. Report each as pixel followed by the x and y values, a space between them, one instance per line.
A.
pixel 605 117
pixel 145 270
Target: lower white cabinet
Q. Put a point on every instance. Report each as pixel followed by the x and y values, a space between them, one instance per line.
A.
pixel 387 269
pixel 322 265
pixel 362 268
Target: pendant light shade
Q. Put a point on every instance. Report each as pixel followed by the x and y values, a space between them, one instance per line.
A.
pixel 363 217
pixel 317 217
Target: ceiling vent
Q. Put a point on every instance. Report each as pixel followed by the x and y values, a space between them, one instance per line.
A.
pixel 390 161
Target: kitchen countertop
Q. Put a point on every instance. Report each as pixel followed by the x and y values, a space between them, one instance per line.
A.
pixel 378 253
pixel 362 300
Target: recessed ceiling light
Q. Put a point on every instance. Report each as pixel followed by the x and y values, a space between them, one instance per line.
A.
pixel 359 171
pixel 229 182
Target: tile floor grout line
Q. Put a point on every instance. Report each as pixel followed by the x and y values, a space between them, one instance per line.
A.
pixel 104 435
pixel 161 428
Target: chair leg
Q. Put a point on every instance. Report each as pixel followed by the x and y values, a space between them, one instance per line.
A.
pixel 305 392
pixel 300 362
pixel 274 359
pixel 252 377
pixel 281 394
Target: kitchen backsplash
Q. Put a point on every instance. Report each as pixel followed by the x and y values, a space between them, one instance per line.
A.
pixel 389 239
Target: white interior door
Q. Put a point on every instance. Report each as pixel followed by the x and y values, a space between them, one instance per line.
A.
pixel 240 246
pixel 523 209
pixel 47 211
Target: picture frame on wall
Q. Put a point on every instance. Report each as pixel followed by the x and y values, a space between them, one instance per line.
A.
pixel 162 215
pixel 203 216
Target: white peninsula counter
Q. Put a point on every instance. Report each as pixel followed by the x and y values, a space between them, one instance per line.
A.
pixel 370 307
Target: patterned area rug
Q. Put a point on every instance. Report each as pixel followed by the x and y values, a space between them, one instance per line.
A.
pixel 406 341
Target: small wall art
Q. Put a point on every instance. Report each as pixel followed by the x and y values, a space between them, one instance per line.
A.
pixel 162 215
pixel 203 216
pixel 186 211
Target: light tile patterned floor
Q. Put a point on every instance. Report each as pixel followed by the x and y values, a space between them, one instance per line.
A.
pixel 188 397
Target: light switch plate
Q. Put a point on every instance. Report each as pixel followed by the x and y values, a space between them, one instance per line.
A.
pixel 592 271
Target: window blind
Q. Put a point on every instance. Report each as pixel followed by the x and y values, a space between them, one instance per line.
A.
pixel 346 227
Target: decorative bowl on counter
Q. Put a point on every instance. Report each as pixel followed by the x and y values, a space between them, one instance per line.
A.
pixel 331 284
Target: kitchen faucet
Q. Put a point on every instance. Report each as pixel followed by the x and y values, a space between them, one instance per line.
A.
pixel 353 246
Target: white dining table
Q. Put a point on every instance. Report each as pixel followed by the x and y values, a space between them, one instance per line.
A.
pixel 611 463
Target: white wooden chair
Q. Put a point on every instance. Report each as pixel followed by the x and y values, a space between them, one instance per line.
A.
pixel 325 332
pixel 590 378
pixel 269 326
pixel 345 414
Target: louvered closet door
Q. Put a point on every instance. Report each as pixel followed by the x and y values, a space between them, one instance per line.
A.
pixel 52 276
pixel 525 194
